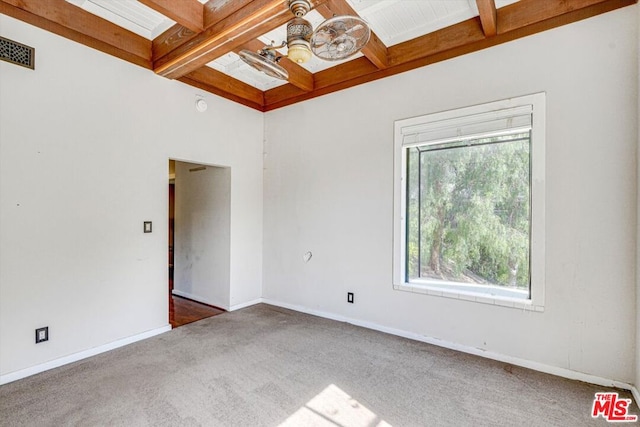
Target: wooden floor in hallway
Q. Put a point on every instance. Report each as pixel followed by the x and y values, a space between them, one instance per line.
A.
pixel 183 311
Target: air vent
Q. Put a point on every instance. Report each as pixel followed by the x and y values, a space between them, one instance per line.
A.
pixel 17 53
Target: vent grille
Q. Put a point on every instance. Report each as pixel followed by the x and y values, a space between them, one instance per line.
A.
pixel 17 53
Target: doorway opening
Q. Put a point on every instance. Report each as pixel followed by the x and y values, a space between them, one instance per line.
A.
pixel 198 209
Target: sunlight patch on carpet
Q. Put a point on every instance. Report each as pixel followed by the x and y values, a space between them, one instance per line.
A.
pixel 334 407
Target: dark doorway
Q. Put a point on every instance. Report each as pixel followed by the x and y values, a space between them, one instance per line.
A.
pixel 181 310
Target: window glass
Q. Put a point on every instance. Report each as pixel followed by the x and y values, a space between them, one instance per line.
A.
pixel 469 203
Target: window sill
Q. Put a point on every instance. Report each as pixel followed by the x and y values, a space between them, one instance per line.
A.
pixel 526 305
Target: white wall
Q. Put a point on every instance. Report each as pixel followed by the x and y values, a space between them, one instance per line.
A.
pixel 329 190
pixel 202 233
pixel 84 145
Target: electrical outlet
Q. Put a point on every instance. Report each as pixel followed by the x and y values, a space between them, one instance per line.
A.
pixel 350 297
pixel 42 334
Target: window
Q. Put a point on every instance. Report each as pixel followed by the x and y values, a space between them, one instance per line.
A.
pixel 469 203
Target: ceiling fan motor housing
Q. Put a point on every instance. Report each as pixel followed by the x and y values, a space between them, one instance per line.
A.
pixel 299 8
pixel 299 33
pixel 335 39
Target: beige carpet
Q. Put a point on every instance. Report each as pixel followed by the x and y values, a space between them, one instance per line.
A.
pixel 266 366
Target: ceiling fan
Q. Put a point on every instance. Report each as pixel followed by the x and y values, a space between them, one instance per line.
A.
pixel 335 39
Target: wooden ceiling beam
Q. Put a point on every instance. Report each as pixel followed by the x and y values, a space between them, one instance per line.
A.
pixel 326 81
pixel 283 94
pixel 178 35
pixel 250 22
pixel 344 72
pixel 188 13
pixel 171 39
pixel 67 20
pixel 221 84
pixel 488 17
pixel 527 12
pixel 375 51
pixel 298 76
pixel 463 33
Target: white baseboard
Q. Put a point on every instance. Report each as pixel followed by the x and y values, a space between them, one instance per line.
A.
pixel 636 394
pixel 536 366
pixel 541 367
pixel 223 306
pixel 198 298
pixel 245 304
pixel 23 373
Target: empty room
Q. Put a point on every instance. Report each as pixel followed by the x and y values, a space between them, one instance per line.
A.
pixel 319 213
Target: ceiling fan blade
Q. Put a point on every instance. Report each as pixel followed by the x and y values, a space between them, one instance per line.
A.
pixel 264 63
pixel 340 37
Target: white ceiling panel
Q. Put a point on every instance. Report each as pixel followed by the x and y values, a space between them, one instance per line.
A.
pixel 129 14
pixel 232 65
pixel 396 21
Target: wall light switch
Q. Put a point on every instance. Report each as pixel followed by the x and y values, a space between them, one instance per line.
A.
pixel 147 227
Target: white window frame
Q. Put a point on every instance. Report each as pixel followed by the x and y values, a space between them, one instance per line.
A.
pixel 406 127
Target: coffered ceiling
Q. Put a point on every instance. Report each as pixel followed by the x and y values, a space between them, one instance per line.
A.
pixel 197 41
